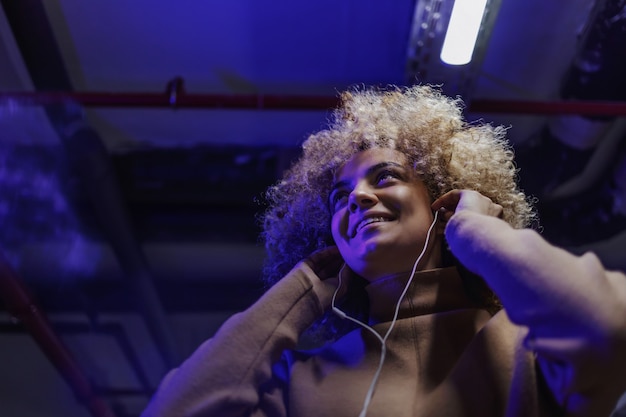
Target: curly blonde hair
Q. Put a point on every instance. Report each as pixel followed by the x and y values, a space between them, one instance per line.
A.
pixel 420 122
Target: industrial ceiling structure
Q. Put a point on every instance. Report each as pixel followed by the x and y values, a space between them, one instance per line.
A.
pixel 136 139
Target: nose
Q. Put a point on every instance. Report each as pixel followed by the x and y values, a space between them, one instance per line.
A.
pixel 361 197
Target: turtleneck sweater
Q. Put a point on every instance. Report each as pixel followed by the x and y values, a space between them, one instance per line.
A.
pixel 445 357
pixel 433 291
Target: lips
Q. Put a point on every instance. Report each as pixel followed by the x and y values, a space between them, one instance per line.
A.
pixel 375 218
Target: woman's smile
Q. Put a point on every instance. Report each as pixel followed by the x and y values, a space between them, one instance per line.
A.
pixel 370 221
pixel 380 213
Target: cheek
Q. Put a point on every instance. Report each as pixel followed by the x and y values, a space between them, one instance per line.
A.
pixel 338 227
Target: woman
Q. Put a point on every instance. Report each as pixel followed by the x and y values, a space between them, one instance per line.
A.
pixel 375 206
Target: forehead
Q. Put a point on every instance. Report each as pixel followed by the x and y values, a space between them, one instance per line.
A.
pixel 360 162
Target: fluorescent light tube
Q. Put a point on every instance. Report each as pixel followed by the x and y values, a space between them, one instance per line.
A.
pixel 462 33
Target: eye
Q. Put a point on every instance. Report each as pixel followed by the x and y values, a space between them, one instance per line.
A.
pixel 386 175
pixel 337 199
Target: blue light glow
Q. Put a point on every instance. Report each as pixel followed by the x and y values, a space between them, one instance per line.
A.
pixel 34 210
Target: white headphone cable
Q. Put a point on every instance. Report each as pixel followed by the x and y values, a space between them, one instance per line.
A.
pixel 383 340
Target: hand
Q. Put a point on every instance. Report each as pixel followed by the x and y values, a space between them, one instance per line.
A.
pixel 327 264
pixel 456 201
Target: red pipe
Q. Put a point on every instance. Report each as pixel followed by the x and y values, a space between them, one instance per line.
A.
pixel 176 98
pixel 20 305
pixel 587 108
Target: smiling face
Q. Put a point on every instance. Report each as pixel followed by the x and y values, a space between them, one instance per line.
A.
pixel 381 214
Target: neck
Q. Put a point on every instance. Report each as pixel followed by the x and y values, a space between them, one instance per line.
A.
pixel 431 291
pixel 430 259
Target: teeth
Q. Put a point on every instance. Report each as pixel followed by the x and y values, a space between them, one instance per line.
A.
pixel 369 221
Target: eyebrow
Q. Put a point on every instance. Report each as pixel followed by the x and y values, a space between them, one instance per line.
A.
pixel 368 172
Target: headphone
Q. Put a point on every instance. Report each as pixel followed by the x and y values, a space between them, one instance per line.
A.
pixel 383 340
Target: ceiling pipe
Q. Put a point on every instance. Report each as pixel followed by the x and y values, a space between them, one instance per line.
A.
pixel 22 307
pixel 580 107
pixel 293 102
pixel 225 101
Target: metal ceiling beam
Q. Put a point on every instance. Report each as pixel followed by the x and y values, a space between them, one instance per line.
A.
pixel 36 41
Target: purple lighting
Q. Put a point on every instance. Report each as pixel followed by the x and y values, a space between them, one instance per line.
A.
pixel 34 210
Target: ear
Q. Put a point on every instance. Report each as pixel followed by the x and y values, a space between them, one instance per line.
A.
pixel 440 226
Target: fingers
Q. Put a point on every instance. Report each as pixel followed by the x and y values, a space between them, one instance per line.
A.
pixel 325 262
pixel 448 201
pixel 457 200
pixel 447 204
